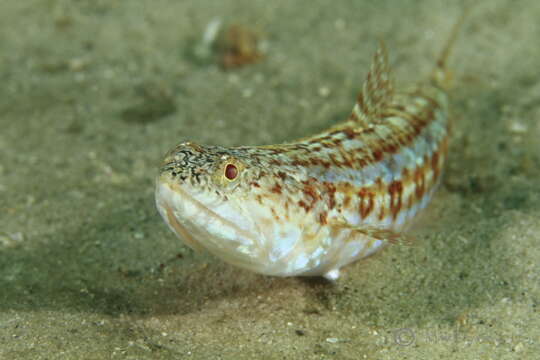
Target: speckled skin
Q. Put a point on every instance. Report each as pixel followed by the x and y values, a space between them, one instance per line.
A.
pixel 312 206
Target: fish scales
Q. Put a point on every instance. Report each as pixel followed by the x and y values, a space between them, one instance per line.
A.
pixel 312 206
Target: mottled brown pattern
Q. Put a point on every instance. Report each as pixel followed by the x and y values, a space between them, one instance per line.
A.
pixel 359 158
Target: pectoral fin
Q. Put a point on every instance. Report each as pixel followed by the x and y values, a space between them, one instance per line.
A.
pixel 369 232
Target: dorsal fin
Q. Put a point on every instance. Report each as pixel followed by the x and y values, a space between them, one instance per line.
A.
pixel 377 91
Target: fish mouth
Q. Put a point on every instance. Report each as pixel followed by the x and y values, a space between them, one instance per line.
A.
pixel 167 213
pixel 201 228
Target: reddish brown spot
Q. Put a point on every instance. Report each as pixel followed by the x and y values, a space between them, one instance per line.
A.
pixel 378 155
pixel 282 175
pixel 410 139
pixel 391 148
pixel 310 191
pixel 231 172
pixel 274 162
pixel 255 184
pixel 419 183
pixel 315 161
pixel 276 189
pixel 322 218
pixel 336 162
pixel 366 202
pixel 349 133
pixel 395 189
pixel 303 205
pixel 348 163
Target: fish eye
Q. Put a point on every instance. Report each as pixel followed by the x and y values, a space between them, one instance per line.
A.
pixel 231 171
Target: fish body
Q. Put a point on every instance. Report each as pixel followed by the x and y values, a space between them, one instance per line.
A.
pixel 310 207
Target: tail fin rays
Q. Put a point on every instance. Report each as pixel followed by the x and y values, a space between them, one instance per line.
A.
pixel 441 76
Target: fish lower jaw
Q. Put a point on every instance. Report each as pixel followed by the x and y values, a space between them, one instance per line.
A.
pixel 203 230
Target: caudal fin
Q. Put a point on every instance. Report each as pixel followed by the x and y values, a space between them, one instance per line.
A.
pixel 441 76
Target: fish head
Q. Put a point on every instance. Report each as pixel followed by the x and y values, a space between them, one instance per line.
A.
pixel 206 195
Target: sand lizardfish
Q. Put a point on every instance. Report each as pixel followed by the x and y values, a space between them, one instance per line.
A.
pixel 312 206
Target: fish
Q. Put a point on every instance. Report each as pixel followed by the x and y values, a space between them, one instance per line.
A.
pixel 312 206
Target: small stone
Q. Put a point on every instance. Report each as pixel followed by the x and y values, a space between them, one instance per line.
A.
pixel 17 237
pixel 324 91
pixel 518 127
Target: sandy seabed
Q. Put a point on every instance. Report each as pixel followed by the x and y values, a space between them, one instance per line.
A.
pixel 93 93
